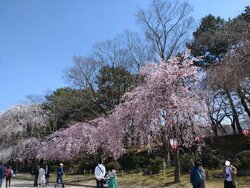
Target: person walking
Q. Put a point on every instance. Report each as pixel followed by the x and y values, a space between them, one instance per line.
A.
pixel 197 175
pixel 203 174
pixel 2 173
pixel 229 173
pixel 9 173
pixel 112 179
pixel 47 172
pixel 35 173
pixel 100 172
pixel 41 177
pixel 59 175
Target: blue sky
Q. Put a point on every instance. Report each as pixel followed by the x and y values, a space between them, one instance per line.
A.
pixel 38 38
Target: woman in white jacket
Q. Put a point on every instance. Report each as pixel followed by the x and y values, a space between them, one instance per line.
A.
pixel 41 177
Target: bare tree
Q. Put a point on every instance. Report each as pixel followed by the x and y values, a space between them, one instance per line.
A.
pixel 138 50
pixel 83 75
pixel 112 52
pixel 217 109
pixel 128 50
pixel 166 25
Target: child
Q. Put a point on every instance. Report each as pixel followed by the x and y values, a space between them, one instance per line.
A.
pixel 112 179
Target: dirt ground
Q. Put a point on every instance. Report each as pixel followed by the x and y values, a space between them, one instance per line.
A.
pixel 15 183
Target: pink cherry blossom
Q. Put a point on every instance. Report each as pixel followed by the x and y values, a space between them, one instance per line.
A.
pixel 167 101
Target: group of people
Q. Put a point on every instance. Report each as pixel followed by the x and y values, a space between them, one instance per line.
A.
pixel 103 178
pixel 42 173
pixel 108 179
pixel 198 175
pixel 7 173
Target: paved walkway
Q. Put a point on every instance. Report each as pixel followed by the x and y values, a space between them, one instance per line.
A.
pixel 16 183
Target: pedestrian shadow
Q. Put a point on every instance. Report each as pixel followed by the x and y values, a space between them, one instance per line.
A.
pixel 169 183
pixel 21 186
pixel 82 185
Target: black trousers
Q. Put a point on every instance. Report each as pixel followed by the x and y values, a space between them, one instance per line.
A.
pixel 8 179
pixel 35 180
pixel 197 186
pixel 228 184
pixel 99 183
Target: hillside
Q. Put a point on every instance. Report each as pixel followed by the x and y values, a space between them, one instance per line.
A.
pixel 230 146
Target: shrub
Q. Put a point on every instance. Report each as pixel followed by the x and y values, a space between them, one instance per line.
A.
pixel 244 158
pixel 186 161
pixel 129 161
pixel 155 165
pixel 113 165
pixel 210 158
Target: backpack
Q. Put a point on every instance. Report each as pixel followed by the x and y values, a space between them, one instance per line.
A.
pixel 8 173
pixel 197 177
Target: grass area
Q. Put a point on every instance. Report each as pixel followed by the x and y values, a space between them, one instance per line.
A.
pixel 136 180
pixel 158 180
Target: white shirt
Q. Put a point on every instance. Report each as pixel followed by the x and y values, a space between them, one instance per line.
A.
pixel 41 176
pixel 228 172
pixel 100 171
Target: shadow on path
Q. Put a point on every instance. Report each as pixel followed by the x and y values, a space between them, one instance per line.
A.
pixel 15 183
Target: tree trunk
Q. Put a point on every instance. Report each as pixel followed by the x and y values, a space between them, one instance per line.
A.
pixel 233 126
pixel 214 127
pixel 243 102
pixel 168 158
pixel 177 173
pixel 222 129
pixel 235 115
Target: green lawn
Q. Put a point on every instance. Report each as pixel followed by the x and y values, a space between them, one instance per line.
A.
pixel 134 180
pixel 167 181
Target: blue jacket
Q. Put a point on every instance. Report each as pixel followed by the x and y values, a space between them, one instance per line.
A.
pixel 196 178
pixel 59 171
pixel 2 171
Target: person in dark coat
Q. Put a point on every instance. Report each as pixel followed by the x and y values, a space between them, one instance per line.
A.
pixel 47 172
pixel 197 175
pixel 59 175
pixel 35 173
pixel 2 173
